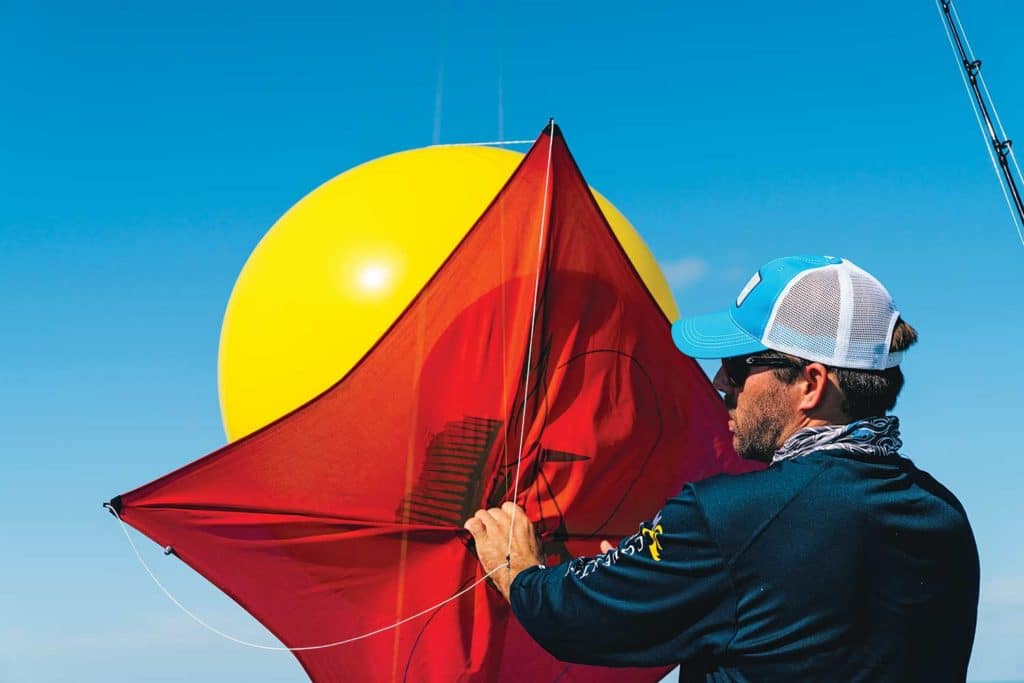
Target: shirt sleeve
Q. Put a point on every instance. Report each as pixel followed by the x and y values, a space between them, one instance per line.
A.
pixel 663 596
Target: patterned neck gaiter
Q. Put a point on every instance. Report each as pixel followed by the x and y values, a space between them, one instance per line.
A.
pixel 878 436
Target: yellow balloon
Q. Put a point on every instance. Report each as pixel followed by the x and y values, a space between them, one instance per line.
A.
pixel 333 273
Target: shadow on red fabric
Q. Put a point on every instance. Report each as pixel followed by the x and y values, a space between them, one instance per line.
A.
pixel 345 516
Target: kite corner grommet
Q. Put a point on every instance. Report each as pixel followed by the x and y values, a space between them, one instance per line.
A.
pixel 113 506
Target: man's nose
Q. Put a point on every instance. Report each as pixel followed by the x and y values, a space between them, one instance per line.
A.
pixel 721 382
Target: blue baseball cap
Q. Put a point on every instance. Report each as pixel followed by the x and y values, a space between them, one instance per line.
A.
pixel 820 308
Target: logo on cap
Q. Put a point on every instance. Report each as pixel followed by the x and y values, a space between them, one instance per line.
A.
pixel 754 282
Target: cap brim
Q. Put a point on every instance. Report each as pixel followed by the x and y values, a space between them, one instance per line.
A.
pixel 714 335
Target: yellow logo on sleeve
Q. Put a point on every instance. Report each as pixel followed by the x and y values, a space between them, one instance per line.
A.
pixel 654 545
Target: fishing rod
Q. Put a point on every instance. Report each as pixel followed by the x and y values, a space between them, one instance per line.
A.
pixel 1001 147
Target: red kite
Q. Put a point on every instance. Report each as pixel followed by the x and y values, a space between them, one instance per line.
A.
pixel 345 516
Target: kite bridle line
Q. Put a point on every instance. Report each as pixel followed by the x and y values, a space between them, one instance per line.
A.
pixel 515 495
pixel 999 146
pixel 529 350
pixel 492 143
pixel 227 636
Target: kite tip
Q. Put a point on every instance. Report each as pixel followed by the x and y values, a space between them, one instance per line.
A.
pixel 551 128
pixel 114 506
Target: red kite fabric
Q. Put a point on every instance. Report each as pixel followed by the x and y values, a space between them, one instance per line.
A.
pixel 346 515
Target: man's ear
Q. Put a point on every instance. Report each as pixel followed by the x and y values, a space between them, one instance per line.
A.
pixel 812 385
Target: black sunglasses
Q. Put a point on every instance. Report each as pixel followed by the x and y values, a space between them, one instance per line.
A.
pixel 737 369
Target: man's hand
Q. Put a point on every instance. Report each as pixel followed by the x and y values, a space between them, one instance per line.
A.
pixel 490 530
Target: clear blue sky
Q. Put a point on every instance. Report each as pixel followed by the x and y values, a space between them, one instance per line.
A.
pixel 147 147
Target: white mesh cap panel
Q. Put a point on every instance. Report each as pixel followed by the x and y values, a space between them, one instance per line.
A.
pixel 805 321
pixel 874 317
pixel 839 315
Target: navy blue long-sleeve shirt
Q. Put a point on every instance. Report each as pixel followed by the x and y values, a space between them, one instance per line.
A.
pixel 827 567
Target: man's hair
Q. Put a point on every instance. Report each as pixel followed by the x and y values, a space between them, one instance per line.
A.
pixel 867 393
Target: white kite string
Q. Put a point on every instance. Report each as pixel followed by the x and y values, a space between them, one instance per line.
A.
pixel 439 88
pixel 198 620
pixel 529 350
pixel 515 495
pixel 501 89
pixel 492 143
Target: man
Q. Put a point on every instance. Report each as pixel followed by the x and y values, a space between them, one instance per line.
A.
pixel 841 561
